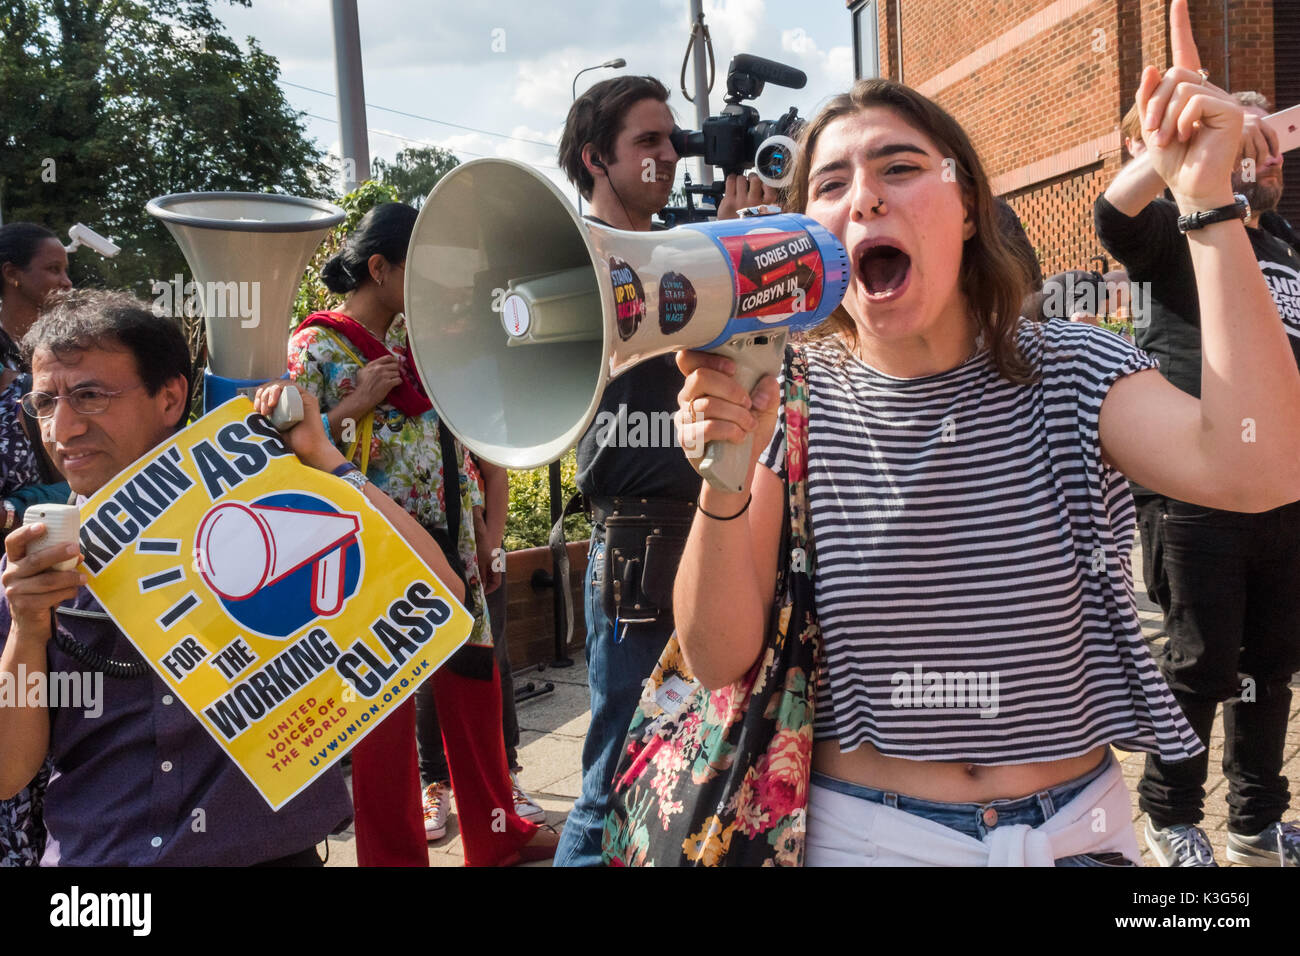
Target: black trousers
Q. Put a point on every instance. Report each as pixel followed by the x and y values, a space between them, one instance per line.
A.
pixel 428 735
pixel 1229 585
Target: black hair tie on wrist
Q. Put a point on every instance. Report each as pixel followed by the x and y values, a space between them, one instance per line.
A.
pixel 709 514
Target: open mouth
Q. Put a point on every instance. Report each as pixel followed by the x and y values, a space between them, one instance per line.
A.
pixel 883 269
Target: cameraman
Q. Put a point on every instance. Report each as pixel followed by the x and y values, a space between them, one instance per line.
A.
pixel 616 151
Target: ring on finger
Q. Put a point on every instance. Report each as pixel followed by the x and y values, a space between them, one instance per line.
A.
pixel 690 409
pixel 1205 76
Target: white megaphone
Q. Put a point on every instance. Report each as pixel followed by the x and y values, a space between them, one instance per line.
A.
pixel 247 252
pixel 244 548
pixel 519 312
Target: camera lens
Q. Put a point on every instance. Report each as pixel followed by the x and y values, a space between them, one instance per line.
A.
pixel 774 160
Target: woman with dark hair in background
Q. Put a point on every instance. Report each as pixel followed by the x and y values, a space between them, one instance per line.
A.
pixel 967 496
pixel 356 361
pixel 33 266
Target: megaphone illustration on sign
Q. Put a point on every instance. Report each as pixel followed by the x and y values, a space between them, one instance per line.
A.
pixel 519 312
pixel 247 252
pixel 245 548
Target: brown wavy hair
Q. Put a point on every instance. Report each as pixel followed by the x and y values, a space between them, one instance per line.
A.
pixel 991 278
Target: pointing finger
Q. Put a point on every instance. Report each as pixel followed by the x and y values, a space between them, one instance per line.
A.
pixel 1181 41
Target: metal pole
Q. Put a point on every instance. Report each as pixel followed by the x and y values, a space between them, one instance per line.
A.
pixel 701 85
pixel 352 95
pixel 1227 54
pixel 559 609
pixel 898 22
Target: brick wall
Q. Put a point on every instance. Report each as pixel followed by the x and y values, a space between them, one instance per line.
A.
pixel 1041 87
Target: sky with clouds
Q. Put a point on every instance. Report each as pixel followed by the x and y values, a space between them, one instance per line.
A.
pixel 506 66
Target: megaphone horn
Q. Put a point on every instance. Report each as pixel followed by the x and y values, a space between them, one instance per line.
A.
pixel 247 252
pixel 519 312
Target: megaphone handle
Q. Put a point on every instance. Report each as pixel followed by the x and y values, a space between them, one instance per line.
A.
pixel 288 410
pixel 726 464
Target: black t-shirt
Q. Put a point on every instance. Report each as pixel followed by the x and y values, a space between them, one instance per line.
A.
pixel 1168 326
pixel 631 449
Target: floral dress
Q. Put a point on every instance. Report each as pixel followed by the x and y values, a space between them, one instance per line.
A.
pixel 18 467
pixel 405 457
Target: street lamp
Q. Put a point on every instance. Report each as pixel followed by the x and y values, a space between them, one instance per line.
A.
pixel 616 64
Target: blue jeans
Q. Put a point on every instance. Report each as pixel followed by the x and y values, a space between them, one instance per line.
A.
pixel 615 675
pixel 977 819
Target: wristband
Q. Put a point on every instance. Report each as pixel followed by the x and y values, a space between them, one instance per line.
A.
pixel 343 469
pixel 709 514
pixel 1238 209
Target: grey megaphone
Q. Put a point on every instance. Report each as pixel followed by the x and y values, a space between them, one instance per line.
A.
pixel 519 312
pixel 247 252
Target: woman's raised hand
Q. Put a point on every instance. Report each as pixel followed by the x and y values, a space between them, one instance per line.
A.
pixel 712 406
pixel 1192 128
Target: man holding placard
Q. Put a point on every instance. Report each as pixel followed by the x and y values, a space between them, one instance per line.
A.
pixel 144 781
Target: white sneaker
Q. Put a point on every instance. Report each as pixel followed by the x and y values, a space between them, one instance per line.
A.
pixel 1278 845
pixel 525 808
pixel 437 803
pixel 1181 845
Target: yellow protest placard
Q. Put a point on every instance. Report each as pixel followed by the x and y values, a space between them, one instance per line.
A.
pixel 277 602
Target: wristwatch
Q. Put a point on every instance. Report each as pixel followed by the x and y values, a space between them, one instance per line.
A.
pixel 1199 220
pixel 353 475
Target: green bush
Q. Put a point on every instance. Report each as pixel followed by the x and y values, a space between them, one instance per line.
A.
pixel 529 522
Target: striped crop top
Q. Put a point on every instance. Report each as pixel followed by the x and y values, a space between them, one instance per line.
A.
pixel 972 569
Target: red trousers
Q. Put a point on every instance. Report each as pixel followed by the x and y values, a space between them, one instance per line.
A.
pixel 386 779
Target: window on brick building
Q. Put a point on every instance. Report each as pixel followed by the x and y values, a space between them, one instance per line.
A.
pixel 866 43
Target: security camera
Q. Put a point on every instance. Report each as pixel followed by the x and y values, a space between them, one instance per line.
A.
pixel 83 235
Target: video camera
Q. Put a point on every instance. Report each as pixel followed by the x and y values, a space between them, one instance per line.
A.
pixel 737 139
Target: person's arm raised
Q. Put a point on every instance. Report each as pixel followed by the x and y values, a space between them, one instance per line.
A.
pixel 1138 184
pixel 725 583
pixel 1238 447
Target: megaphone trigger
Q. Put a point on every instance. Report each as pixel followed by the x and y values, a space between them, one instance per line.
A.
pixel 725 465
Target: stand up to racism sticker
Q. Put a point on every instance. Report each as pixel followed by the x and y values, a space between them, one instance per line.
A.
pixel 277 602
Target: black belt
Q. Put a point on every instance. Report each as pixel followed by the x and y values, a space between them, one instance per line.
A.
pixel 644 508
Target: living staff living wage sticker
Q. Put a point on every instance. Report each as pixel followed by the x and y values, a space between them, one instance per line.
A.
pixel 777 273
pixel 274 599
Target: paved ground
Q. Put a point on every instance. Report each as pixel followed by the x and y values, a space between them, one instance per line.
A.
pixel 553 727
pixel 551 730
pixel 1216 809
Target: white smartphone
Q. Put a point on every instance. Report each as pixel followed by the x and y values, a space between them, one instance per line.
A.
pixel 62 527
pixel 1287 126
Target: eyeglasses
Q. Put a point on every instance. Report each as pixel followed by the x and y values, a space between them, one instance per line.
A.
pixel 87 400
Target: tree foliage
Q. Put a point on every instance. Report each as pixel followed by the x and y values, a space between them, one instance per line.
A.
pixel 414 172
pixel 110 103
pixel 312 294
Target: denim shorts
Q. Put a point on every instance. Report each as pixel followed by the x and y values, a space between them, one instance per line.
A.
pixel 977 819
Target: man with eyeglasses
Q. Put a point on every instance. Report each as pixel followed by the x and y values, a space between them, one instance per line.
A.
pixel 141 783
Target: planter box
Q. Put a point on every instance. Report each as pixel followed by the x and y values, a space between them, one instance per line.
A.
pixel 530 614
